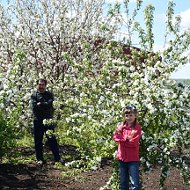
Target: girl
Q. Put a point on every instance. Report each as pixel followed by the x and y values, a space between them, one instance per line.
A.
pixel 128 135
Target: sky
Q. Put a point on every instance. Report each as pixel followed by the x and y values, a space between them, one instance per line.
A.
pixel 182 8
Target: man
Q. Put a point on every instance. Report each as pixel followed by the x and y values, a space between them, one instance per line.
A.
pixel 42 108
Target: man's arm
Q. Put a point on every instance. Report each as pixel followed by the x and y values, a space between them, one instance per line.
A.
pixel 48 103
pixel 33 102
pixel 50 99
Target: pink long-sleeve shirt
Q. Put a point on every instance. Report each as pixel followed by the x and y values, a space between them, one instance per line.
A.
pixel 128 150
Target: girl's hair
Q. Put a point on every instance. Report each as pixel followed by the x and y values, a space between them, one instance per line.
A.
pixel 128 110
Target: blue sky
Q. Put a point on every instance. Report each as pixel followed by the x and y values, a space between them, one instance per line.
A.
pixel 182 8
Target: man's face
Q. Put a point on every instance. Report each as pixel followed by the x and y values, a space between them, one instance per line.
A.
pixel 41 87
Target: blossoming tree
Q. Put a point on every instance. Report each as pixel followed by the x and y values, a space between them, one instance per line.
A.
pixel 74 45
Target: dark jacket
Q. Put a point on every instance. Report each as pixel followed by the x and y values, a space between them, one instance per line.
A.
pixel 45 109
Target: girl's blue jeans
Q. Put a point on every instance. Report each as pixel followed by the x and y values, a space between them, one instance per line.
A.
pixel 129 175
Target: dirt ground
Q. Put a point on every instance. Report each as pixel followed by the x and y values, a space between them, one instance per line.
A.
pixel 31 176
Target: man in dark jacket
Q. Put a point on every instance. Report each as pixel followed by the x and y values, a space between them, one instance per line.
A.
pixel 42 108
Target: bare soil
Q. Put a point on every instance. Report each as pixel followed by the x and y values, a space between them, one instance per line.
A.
pixel 30 176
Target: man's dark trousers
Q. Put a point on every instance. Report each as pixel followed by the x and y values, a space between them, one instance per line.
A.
pixel 39 131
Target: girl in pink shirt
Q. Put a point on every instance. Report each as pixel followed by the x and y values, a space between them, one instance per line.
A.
pixel 127 135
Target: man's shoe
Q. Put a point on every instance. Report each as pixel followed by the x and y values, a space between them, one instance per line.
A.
pixel 40 162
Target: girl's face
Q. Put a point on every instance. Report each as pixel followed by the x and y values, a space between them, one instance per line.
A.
pixel 130 118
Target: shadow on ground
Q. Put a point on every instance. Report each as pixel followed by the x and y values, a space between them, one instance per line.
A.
pixel 31 176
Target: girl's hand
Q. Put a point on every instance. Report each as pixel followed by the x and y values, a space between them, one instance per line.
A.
pixel 119 129
pixel 131 135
